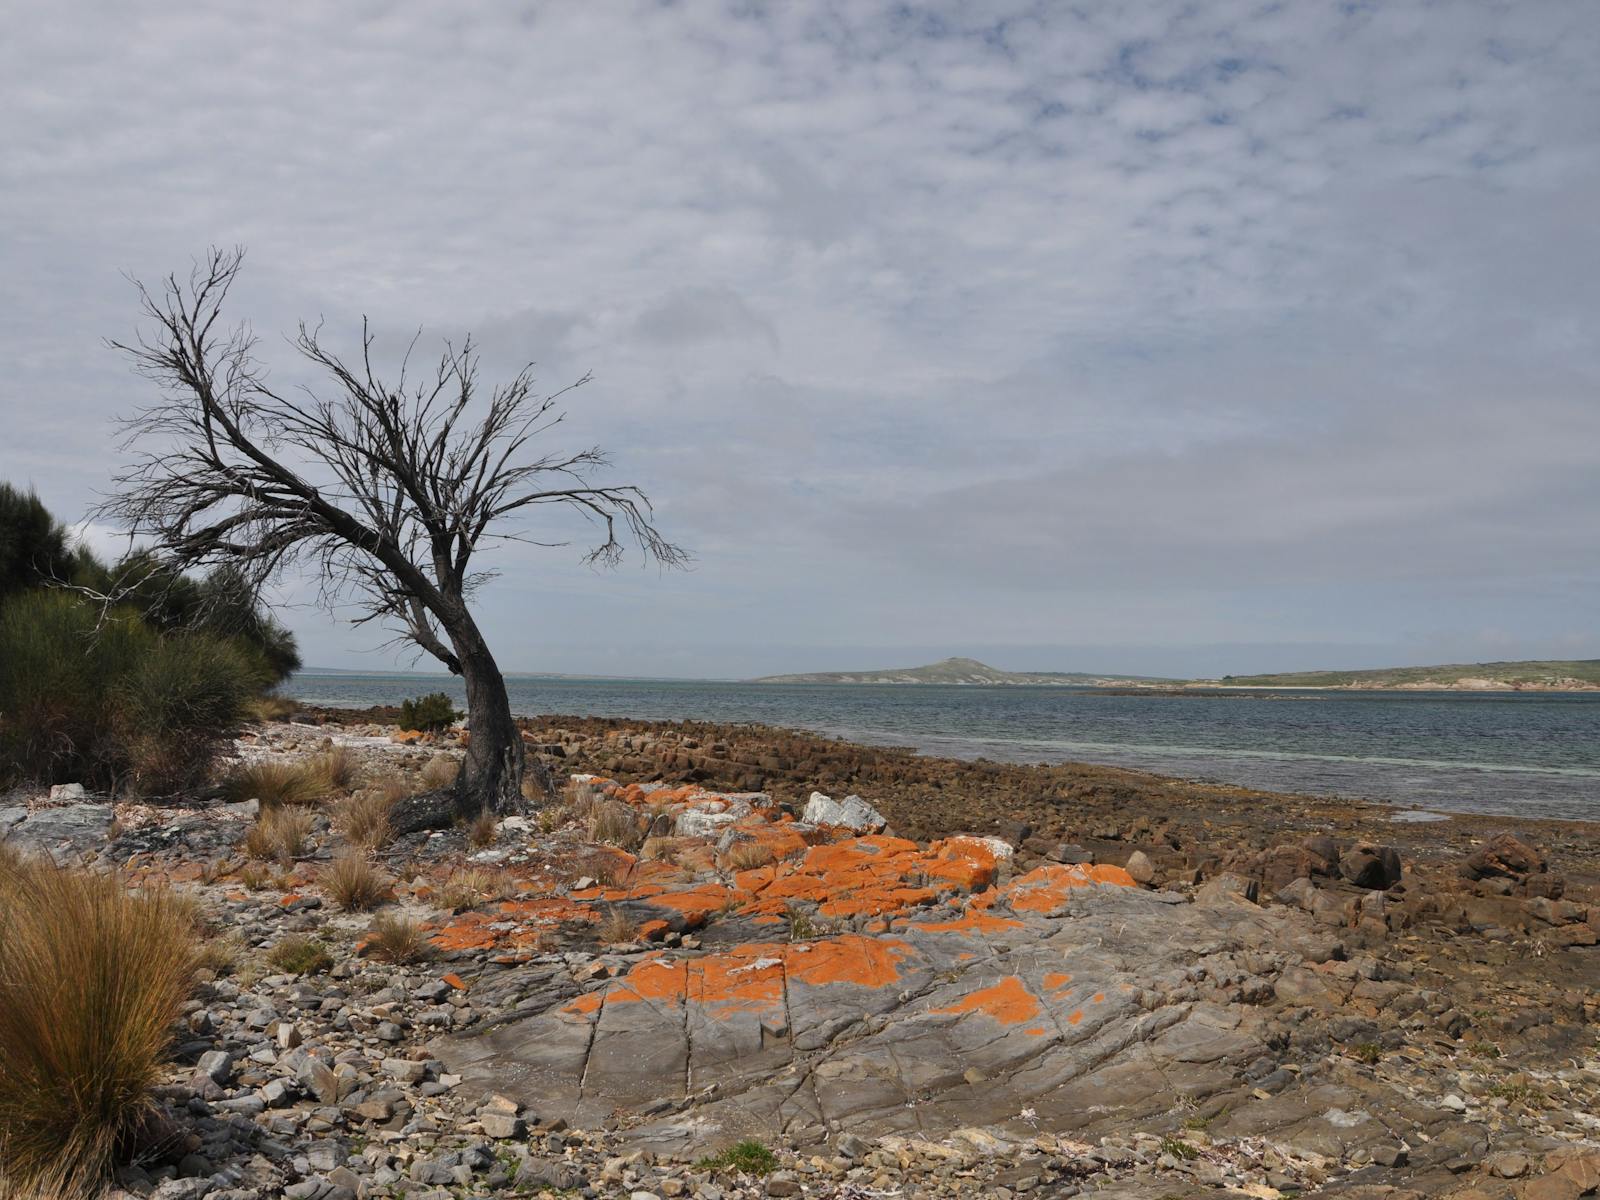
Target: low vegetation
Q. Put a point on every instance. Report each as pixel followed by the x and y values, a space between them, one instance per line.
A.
pixel 615 824
pixel 749 1157
pixel 277 782
pixel 297 954
pixel 440 772
pixel 362 819
pixel 471 887
pixel 354 884
pixel 92 979
pixel 618 927
pixel 428 714
pixel 279 835
pixel 393 938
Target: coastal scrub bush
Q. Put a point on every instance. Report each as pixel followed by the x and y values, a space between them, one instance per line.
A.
pixel 100 698
pixel 33 548
pixel 92 979
pixel 428 714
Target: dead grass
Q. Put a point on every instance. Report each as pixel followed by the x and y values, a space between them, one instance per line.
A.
pixel 483 830
pixel 396 939
pixel 354 884
pixel 276 782
pixel 363 818
pixel 271 708
pixel 617 927
pixel 472 887
pixel 279 836
pixel 615 824
pixel 747 856
pixel 440 772
pixel 661 849
pixel 92 978
pixel 338 766
pixel 554 817
pixel 581 799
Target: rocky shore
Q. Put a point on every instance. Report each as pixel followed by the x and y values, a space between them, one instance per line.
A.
pixel 732 961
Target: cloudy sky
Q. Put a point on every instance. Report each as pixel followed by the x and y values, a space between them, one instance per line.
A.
pixel 1169 337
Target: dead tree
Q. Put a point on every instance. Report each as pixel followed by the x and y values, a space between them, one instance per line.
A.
pixel 383 490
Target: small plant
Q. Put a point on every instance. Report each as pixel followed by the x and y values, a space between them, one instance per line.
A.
pixel 92 978
pixel 338 766
pixel 747 856
pixel 554 817
pixel 279 835
pixel 471 887
pixel 440 771
pixel 618 927
pixel 749 1157
pixel 275 782
pixel 1367 1052
pixel 363 818
pixel 482 831
pixel 1179 1148
pixel 220 955
pixel 354 884
pixel 428 714
pixel 661 849
pixel 801 927
pixel 1483 1050
pixel 1515 1093
pixel 297 954
pixel 396 939
pixel 581 799
pixel 615 825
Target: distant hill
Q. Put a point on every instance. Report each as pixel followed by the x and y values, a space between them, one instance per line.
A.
pixel 959 670
pixel 1537 675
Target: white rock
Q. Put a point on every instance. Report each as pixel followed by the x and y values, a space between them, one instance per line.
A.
pixel 66 791
pixel 850 813
pixel 697 822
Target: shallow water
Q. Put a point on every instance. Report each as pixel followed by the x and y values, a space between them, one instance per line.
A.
pixel 1531 754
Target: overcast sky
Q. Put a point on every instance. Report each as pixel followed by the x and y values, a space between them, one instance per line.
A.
pixel 1167 337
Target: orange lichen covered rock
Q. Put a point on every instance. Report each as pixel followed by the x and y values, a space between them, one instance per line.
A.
pixel 1046 889
pixel 1009 1002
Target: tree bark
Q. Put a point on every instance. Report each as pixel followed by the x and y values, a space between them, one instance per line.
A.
pixel 491 774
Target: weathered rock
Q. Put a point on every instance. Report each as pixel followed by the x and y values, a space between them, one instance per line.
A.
pixel 850 813
pixel 1371 866
pixel 1503 855
pixel 1140 867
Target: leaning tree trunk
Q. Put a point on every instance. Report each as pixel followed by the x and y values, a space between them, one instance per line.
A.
pixel 491 775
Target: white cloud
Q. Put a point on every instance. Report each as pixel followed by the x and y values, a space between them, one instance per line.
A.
pixel 1186 315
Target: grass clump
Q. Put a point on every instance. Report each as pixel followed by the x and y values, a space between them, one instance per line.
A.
pixel 749 1157
pixel 279 836
pixel 440 771
pixel 428 714
pixel 747 856
pixel 297 954
pixel 661 849
pixel 618 927
pixel 393 938
pixel 276 782
pixel 1179 1148
pixel 354 884
pixel 363 818
pixel 1367 1052
pixel 338 766
pixel 471 887
pixel 483 830
pixel 92 979
pixel 615 824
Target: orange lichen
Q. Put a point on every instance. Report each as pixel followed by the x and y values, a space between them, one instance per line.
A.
pixel 1009 1002
pixel 974 920
pixel 1045 888
pixel 1055 981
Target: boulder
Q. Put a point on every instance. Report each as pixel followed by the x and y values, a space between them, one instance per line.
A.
pixel 1227 888
pixel 1376 868
pixel 1140 867
pixel 1504 856
pixel 1326 852
pixel 850 813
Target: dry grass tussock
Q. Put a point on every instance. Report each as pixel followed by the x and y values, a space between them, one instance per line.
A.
pixel 363 818
pixel 92 978
pixel 297 954
pixel 471 887
pixel 747 856
pixel 617 927
pixel 440 772
pixel 581 798
pixel 354 884
pixel 338 766
pixel 279 835
pixel 276 782
pixel 483 830
pixel 661 849
pixel 615 824
pixel 396 939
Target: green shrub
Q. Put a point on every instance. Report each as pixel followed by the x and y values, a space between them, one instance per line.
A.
pixel 428 713
pixel 748 1156
pixel 102 699
pixel 297 954
pixel 33 548
pixel 178 704
pixel 92 979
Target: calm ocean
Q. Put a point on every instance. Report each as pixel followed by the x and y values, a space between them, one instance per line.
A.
pixel 1528 754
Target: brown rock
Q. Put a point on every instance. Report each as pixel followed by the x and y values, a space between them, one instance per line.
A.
pixel 1503 855
pixel 1140 867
